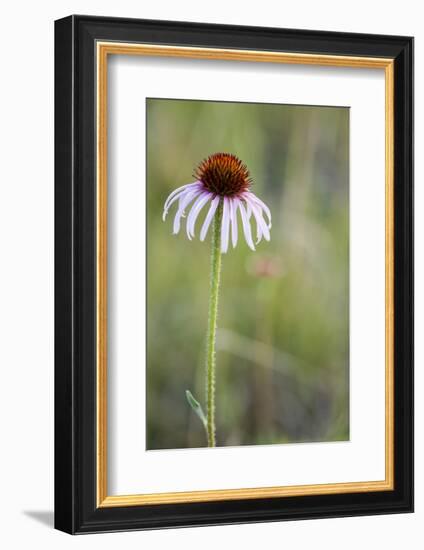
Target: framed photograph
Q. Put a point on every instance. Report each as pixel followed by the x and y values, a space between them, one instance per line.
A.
pixel 234 274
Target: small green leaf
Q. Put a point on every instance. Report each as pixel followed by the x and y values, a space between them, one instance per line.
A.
pixel 197 408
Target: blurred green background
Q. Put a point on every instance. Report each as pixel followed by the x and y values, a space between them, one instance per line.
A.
pixel 283 347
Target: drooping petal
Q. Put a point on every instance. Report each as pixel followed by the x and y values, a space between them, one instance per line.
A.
pixel 201 200
pixel 225 226
pixel 233 216
pixel 189 195
pixel 174 196
pixel 262 227
pixel 209 216
pixel 246 225
pixel 248 210
pixel 258 201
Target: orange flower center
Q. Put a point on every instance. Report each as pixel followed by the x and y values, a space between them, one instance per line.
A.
pixel 223 174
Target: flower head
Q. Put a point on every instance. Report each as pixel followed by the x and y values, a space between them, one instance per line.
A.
pixel 221 178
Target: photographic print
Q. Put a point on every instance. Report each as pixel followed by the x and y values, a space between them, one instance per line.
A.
pixel 247 274
pixel 233 274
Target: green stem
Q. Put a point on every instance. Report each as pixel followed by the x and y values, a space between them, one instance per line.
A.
pixel 213 315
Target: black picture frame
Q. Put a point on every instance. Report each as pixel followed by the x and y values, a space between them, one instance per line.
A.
pixel 76 508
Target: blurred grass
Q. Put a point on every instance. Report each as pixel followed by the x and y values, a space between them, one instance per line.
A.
pixel 283 348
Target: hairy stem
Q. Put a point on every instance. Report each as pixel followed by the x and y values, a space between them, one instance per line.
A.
pixel 212 321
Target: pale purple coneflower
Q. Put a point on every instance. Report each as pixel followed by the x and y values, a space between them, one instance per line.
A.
pixel 221 180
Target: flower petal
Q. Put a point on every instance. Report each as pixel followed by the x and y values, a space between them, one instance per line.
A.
pixel 258 201
pixel 174 196
pixel 195 211
pixel 246 225
pixel 248 210
pixel 225 226
pixel 262 227
pixel 185 198
pixel 209 216
pixel 233 216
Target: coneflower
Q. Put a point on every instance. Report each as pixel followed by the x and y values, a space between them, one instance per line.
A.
pixel 223 181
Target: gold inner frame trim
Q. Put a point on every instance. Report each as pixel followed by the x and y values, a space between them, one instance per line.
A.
pixel 103 50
